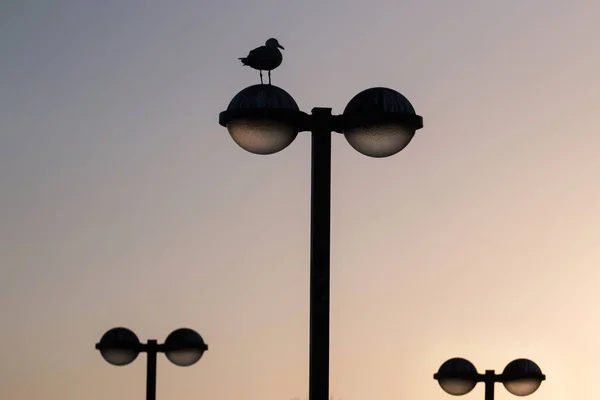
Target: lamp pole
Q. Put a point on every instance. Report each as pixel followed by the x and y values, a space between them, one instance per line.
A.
pixel 489 379
pixel 377 122
pixel 151 350
pixel 320 245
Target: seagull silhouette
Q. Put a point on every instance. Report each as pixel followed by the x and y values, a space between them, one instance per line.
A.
pixel 265 58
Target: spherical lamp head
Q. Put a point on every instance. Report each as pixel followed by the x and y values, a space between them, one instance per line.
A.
pixel 262 119
pixel 522 377
pixel 119 346
pixel 379 122
pixel 457 376
pixel 184 347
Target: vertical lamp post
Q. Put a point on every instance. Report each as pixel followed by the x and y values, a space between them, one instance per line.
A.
pixel 120 346
pixel 520 377
pixel 377 122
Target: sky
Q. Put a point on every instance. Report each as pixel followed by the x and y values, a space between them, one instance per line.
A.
pixel 124 203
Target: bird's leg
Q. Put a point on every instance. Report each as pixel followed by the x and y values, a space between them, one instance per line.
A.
pixel 269 77
pixel 261 80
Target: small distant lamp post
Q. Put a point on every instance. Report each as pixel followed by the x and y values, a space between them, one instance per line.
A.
pixel 520 377
pixel 377 122
pixel 120 346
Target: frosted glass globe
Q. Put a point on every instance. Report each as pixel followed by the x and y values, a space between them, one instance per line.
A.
pixel 261 136
pixel 381 140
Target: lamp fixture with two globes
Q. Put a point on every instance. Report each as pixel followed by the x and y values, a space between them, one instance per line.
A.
pixel 120 346
pixel 520 377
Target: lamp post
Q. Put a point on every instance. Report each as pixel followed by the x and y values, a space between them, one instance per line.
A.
pixel 120 346
pixel 520 377
pixel 377 122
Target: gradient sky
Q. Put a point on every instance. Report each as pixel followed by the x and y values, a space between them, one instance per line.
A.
pixel 123 202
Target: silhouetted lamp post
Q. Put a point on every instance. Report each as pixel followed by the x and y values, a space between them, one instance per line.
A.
pixel 520 377
pixel 120 346
pixel 377 122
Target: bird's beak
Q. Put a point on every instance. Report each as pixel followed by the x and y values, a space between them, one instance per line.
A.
pixel 280 46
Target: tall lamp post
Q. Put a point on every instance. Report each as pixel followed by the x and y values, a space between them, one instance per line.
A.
pixel 120 346
pixel 520 377
pixel 377 122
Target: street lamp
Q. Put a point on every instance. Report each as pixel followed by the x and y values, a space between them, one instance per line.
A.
pixel 377 122
pixel 120 346
pixel 520 377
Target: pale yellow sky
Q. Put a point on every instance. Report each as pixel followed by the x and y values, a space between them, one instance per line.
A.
pixel 125 203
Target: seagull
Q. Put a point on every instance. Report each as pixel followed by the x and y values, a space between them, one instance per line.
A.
pixel 264 58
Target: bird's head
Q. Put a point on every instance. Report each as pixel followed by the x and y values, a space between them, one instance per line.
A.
pixel 273 43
